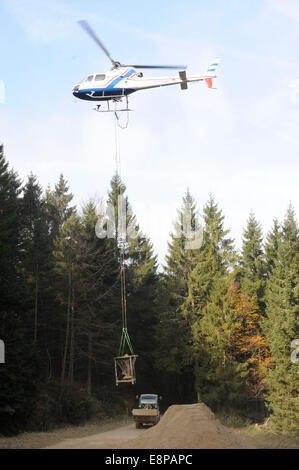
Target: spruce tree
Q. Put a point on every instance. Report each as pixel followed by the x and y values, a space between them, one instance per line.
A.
pixel 10 188
pixel 281 328
pixel 183 247
pixel 271 247
pixel 57 210
pixel 97 302
pixel 21 373
pixel 67 252
pixel 141 279
pixel 207 308
pixel 173 332
pixel 252 275
pixel 58 206
pixel 35 248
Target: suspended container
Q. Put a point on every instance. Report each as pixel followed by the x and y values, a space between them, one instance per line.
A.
pixel 125 369
pixel 125 363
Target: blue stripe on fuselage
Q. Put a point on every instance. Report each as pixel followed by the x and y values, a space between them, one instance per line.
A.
pixel 110 89
pixel 119 79
pixel 111 85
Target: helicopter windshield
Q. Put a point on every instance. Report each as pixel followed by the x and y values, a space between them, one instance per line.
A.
pixel 87 79
pixel 97 77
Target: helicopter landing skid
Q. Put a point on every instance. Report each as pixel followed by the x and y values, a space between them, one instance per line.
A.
pixel 110 110
pixel 115 110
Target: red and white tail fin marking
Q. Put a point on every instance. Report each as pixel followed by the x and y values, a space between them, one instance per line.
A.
pixel 209 82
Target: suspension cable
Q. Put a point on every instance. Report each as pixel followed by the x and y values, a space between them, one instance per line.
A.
pixel 122 246
pixel 118 121
pixel 124 126
pixel 117 148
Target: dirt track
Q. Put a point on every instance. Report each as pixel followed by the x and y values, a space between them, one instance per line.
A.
pixel 104 440
pixel 182 427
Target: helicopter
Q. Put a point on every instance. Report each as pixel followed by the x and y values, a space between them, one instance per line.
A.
pixel 122 79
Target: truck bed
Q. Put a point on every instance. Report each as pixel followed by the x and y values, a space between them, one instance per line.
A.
pixel 144 412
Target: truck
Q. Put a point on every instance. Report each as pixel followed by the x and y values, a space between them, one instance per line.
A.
pixel 148 412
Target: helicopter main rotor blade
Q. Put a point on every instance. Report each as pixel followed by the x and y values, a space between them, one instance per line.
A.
pixel 89 30
pixel 85 25
pixel 178 67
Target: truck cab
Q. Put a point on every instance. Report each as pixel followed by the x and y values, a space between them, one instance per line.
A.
pixel 148 401
pixel 148 412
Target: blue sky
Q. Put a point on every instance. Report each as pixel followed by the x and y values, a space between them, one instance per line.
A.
pixel 239 142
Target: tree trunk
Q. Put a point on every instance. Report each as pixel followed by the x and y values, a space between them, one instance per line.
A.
pixel 67 332
pixel 89 364
pixel 36 303
pixel 195 374
pixel 72 338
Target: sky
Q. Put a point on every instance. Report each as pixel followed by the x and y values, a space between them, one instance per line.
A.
pixel 239 143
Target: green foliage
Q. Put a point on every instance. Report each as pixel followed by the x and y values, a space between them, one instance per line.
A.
pixel 20 376
pixel 76 407
pixel 141 280
pixel 61 314
pixel 172 355
pixel 9 236
pixel 58 207
pixel 112 401
pixel 233 418
pixel 271 247
pixel 220 384
pixel 281 327
pixel 207 308
pixel 253 262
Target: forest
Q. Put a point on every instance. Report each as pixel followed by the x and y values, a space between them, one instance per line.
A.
pixel 215 324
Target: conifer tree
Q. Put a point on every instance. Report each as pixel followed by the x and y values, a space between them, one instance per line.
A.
pixel 20 375
pixel 10 188
pixel 271 247
pixel 141 277
pixel 58 206
pixel 57 209
pixel 208 310
pixel 172 354
pixel 97 301
pixel 182 249
pixel 67 251
pixel 281 328
pixel 35 246
pixel 252 262
pixel 216 256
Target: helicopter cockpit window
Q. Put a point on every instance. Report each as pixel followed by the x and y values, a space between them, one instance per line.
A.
pixel 89 78
pixel 100 76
